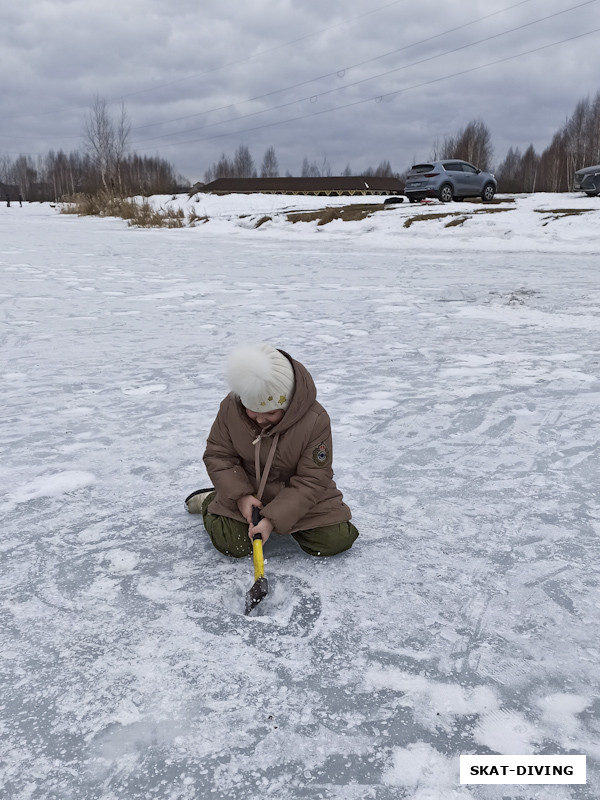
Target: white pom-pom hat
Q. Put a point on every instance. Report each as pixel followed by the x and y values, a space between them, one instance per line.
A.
pixel 262 377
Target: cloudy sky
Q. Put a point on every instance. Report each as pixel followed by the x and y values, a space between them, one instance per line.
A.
pixel 340 83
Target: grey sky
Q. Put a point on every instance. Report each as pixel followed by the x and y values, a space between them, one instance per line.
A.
pixel 200 78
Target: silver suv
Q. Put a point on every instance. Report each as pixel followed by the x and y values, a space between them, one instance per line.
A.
pixel 588 180
pixel 450 179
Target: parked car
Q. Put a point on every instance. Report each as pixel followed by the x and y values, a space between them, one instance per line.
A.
pixel 450 179
pixel 588 180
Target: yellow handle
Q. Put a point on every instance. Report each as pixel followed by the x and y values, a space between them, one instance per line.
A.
pixel 257 555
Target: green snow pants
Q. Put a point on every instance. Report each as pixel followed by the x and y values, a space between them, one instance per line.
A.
pixel 230 537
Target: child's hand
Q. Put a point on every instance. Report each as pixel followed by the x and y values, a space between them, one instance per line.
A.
pixel 245 506
pixel 264 527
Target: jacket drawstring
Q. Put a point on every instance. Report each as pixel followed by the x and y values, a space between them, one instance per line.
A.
pixel 262 480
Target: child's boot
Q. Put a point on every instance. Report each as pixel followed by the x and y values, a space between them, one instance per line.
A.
pixel 193 502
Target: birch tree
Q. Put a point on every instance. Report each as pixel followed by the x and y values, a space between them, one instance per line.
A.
pixel 270 165
pixel 106 142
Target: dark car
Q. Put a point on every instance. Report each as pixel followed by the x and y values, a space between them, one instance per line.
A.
pixel 588 180
pixel 450 179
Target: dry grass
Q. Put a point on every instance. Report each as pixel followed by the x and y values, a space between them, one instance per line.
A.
pixel 496 201
pixel 262 221
pixel 100 204
pixel 454 223
pixel 564 212
pixel 560 213
pixel 145 216
pixel 139 215
pixel 350 213
pixel 492 210
pixel 458 217
pixel 424 217
pixel 194 219
pixel 354 212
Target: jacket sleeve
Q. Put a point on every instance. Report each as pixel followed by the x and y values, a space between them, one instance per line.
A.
pixel 223 464
pixel 310 484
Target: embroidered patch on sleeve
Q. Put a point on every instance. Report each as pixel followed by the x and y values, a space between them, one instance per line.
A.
pixel 321 455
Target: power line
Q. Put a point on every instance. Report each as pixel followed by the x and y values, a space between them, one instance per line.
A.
pixel 339 72
pixel 245 59
pixel 263 52
pixel 381 97
pixel 375 98
pixel 314 97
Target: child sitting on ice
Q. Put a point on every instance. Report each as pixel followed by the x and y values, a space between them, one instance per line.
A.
pixel 270 447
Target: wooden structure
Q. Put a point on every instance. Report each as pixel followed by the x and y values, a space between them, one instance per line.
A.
pixel 323 187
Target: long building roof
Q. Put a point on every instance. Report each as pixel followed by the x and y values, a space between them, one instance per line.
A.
pixel 351 184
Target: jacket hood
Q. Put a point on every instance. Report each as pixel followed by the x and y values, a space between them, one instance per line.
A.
pixel 305 394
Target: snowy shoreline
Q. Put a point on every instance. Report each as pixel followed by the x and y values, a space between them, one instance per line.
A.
pixel 546 222
pixel 553 221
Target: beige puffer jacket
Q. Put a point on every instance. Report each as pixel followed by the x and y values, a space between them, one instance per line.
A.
pixel 300 492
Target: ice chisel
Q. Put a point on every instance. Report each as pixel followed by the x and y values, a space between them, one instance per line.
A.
pixel 260 588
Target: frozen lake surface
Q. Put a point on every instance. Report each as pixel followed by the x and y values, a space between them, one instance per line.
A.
pixel 460 367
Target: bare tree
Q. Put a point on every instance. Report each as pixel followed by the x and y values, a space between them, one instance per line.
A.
pixel 5 165
pixel 99 139
pixel 553 165
pixel 270 165
pixel 384 170
pixel 582 136
pixel 594 126
pixel 309 169
pixel 24 174
pixel 436 150
pixel 224 168
pixel 473 144
pixel 243 163
pixel 447 149
pixel 510 173
pixel 240 166
pixel 106 141
pixel 530 168
pixel 122 130
pixel 519 172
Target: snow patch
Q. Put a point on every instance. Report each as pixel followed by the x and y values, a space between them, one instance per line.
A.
pixel 560 711
pixel 425 770
pixel 436 703
pixel 121 562
pixel 52 485
pixel 507 732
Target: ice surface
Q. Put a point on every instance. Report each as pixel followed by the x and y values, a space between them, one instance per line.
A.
pixel 460 367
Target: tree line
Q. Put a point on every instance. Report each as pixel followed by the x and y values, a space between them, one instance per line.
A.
pixel 59 175
pixel 242 165
pixel 575 145
pixel 105 165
